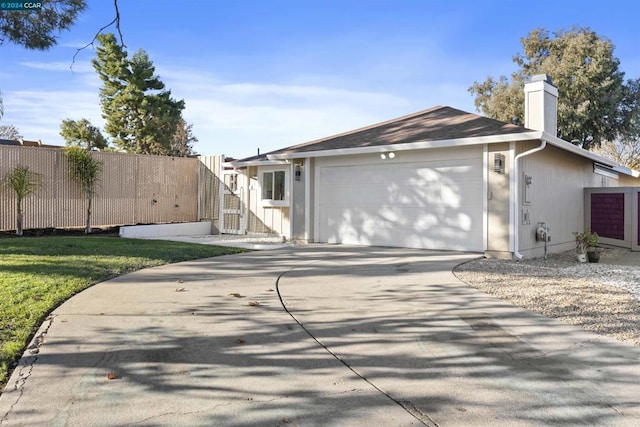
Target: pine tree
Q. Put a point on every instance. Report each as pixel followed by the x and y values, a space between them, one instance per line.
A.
pixel 183 140
pixel 141 115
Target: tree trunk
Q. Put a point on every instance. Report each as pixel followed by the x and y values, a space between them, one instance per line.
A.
pixel 19 217
pixel 87 228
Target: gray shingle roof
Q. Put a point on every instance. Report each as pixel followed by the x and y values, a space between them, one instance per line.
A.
pixel 435 124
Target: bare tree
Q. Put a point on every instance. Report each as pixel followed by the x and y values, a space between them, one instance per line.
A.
pixel 9 132
pixel 625 152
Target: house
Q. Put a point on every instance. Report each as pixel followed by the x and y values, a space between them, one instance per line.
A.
pixel 438 179
pixel 25 143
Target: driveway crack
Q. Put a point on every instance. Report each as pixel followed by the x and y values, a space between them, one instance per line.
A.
pixel 26 363
pixel 404 404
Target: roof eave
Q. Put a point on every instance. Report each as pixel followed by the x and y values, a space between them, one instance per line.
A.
pixel 561 143
pixel 457 142
pixel 257 162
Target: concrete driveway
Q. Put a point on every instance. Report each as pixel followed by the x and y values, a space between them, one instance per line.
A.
pixel 355 336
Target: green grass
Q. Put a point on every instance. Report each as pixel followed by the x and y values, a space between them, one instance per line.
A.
pixel 38 274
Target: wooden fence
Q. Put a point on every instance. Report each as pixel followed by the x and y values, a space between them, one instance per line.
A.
pixel 209 173
pixel 134 189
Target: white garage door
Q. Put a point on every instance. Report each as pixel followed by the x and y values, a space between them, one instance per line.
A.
pixel 435 203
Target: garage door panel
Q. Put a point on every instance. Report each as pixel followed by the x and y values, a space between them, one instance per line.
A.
pixel 435 205
pixel 420 230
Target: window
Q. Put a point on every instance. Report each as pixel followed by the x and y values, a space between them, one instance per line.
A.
pixel 273 186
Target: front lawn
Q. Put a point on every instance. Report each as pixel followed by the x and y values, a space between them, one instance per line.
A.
pixel 38 274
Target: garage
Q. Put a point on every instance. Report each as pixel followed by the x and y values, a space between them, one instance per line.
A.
pixel 429 198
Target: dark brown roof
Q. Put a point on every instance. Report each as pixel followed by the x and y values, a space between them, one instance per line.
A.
pixel 435 124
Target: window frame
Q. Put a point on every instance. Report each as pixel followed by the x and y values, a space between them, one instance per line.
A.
pixel 285 189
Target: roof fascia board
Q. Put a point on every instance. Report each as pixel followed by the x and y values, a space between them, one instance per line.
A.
pixel 561 143
pixel 239 163
pixel 458 142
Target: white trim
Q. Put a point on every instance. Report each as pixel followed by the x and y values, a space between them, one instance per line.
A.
pixel 270 203
pixel 293 199
pixel 626 171
pixel 245 206
pixel 316 203
pixel 513 204
pixel 258 162
pixel 307 198
pixel 458 142
pixel 444 143
pixel 485 197
pixel 540 86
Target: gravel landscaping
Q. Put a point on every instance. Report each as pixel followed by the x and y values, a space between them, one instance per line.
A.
pixel 603 298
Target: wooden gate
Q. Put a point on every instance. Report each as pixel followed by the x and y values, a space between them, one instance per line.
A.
pixel 232 206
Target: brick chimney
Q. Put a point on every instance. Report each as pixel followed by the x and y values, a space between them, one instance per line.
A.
pixel 541 105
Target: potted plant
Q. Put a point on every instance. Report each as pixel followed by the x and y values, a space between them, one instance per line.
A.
pixel 587 246
pixel 593 248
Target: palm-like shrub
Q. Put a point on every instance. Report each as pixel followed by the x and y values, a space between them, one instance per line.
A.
pixel 23 182
pixel 85 170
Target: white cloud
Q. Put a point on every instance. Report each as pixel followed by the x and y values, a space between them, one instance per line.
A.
pixel 236 118
pixel 38 113
pixel 231 117
pixel 67 66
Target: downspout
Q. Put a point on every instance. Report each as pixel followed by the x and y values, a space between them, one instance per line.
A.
pixel 515 208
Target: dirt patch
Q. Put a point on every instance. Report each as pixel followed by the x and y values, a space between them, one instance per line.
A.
pixel 44 232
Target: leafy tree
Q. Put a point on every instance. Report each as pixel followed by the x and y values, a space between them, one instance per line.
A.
pixel 85 170
pixel 630 117
pixel 9 132
pixel 591 107
pixel 140 113
pixel 183 140
pixel 37 29
pixel 82 133
pixel 23 182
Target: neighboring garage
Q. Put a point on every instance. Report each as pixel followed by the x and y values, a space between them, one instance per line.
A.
pixel 421 199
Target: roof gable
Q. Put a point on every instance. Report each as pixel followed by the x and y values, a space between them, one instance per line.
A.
pixel 435 124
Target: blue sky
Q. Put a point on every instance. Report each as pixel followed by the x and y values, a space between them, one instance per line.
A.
pixel 271 73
